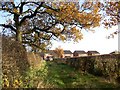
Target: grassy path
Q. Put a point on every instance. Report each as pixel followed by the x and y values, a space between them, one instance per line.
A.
pixel 53 75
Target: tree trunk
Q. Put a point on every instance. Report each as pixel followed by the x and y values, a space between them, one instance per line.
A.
pixel 17 25
pixel 19 36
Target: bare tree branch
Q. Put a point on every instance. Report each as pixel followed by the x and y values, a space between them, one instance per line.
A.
pixel 8 26
pixel 32 15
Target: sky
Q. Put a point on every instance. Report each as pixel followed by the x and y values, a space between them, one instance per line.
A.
pixel 91 41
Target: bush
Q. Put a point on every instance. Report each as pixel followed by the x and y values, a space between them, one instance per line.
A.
pixel 14 60
pixel 102 65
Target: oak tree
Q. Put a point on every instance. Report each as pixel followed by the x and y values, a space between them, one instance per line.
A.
pixel 35 24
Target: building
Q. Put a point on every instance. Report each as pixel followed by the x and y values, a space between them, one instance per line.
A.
pixel 51 54
pixel 93 53
pixel 79 53
pixel 48 55
pixel 115 52
pixel 67 53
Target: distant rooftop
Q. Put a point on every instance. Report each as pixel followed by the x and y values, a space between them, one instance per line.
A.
pixel 80 52
pixel 93 52
pixel 115 52
pixel 67 52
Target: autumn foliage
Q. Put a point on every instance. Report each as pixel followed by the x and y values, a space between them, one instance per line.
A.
pixel 39 23
pixel 59 52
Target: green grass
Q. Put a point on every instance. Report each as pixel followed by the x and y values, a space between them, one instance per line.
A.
pixel 54 75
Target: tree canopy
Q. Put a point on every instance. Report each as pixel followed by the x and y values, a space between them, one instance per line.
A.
pixel 112 11
pixel 37 23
